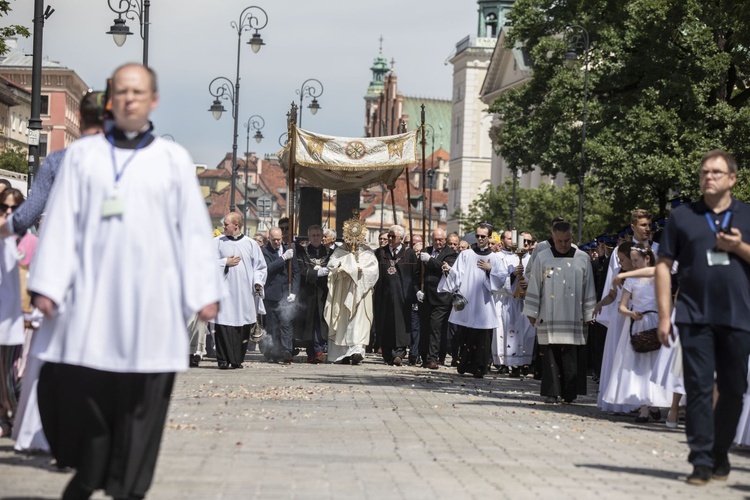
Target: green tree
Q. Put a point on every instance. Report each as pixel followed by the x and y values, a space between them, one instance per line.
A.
pixel 15 160
pixel 668 80
pixel 535 208
pixel 9 31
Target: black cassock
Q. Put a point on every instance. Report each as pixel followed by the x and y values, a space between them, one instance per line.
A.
pixel 312 298
pixel 396 292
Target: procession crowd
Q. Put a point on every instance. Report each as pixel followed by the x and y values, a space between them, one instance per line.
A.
pixel 492 300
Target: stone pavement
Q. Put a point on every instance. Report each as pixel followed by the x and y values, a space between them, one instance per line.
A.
pixel 372 431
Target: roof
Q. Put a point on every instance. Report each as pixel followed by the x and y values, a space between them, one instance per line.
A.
pixel 374 197
pixel 218 202
pixel 16 58
pixel 501 58
pixel 437 113
pixel 219 173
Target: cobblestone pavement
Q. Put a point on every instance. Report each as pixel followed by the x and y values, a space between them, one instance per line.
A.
pixel 374 431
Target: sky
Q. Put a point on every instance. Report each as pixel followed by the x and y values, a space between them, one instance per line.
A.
pixel 191 42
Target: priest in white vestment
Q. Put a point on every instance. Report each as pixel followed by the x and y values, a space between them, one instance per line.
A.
pixel 125 257
pixel 476 274
pixel 348 310
pixel 244 269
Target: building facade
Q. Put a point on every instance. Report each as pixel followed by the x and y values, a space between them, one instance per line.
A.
pixel 62 91
pixel 470 144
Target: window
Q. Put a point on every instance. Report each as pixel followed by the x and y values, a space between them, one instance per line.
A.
pixel 443 211
pixel 13 122
pixel 42 145
pixel 45 105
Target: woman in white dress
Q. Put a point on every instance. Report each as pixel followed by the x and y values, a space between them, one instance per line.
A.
pixel 612 358
pixel 633 385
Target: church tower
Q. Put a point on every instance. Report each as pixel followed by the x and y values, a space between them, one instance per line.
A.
pixel 471 147
pixel 375 91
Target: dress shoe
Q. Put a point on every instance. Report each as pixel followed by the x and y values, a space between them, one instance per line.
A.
pixel 721 469
pixel 356 358
pixel 503 370
pixel 432 365
pixel 655 415
pixel 701 475
pixel 195 360
pixel 223 366
pixel 397 361
pixel 515 372
pixel 550 400
pixel 454 363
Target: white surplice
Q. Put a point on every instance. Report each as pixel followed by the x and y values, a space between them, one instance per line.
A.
pixel 477 286
pixel 11 319
pixel 237 307
pixel 519 333
pixel 503 302
pixel 126 284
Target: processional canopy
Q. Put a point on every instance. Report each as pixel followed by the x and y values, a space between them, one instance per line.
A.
pixel 346 163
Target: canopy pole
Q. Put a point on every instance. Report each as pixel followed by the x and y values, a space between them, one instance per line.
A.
pixel 393 206
pixel 424 192
pixel 402 129
pixel 291 120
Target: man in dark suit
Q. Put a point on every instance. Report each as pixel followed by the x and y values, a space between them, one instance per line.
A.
pixel 435 307
pixel 395 295
pixel 279 298
pixel 310 328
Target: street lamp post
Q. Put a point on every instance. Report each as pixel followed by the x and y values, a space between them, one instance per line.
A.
pixel 431 174
pixel 35 122
pixel 581 42
pixel 131 9
pixel 256 123
pixel 223 89
pixel 310 88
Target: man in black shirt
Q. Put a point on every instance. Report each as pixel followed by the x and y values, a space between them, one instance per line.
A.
pixel 710 241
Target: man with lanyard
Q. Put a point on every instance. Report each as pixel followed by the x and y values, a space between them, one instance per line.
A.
pixel 711 241
pixel 124 292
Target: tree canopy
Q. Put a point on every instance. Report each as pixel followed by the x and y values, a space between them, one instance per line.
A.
pixel 668 81
pixel 9 31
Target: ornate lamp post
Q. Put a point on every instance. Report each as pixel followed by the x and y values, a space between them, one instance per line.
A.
pixel 252 18
pixel 310 88
pixel 131 9
pixel 581 42
pixel 256 123
pixel 431 174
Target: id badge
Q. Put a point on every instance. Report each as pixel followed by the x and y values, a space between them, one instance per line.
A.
pixel 716 258
pixel 113 207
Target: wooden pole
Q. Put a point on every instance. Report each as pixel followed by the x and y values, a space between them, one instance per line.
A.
pixel 393 206
pixel 402 126
pixel 424 191
pixel 292 119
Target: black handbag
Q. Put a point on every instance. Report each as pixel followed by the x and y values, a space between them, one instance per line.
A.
pixel 645 341
pixel 459 301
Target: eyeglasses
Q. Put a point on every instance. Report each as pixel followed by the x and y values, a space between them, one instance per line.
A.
pixel 4 207
pixel 482 236
pixel 716 174
pixel 438 239
pixel 391 236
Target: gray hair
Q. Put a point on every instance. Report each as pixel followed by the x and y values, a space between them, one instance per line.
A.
pixel 397 230
pixel 330 233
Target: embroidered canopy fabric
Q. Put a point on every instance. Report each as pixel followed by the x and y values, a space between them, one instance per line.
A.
pixel 344 163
